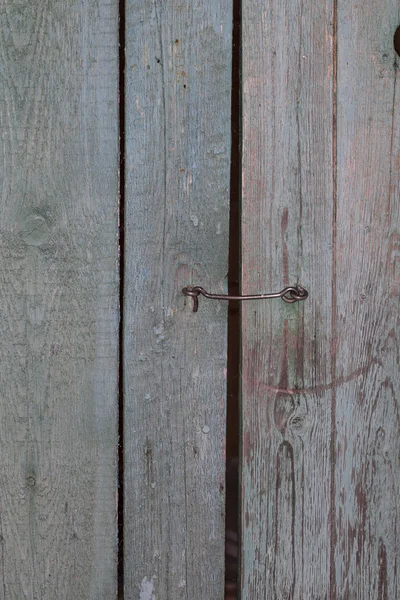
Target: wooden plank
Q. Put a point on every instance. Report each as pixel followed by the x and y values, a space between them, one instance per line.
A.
pixel 367 445
pixel 287 210
pixel 58 299
pixel 178 73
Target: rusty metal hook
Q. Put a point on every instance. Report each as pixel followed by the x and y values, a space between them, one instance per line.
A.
pixel 289 294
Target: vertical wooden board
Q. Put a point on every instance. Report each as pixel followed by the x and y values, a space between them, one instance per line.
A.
pixel 367 475
pixel 287 214
pixel 178 73
pixel 58 299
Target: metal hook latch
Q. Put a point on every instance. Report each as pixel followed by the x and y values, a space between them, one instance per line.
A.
pixel 289 294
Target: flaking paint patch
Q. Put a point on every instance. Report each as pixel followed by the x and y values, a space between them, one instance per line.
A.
pixel 159 332
pixel 147 591
pixel 145 57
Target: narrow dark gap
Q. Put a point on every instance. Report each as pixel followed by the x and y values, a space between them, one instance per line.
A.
pixel 234 287
pixel 121 58
pixel 396 40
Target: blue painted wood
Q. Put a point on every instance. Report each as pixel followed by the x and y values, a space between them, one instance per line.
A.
pixel 287 212
pixel 58 299
pixel 178 73
pixel 367 284
pixel 321 383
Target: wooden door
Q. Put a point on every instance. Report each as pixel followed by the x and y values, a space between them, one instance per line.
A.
pixel 320 380
pixel 115 148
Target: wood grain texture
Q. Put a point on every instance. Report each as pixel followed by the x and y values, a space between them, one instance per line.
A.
pixel 58 299
pixel 321 380
pixel 287 212
pixel 178 73
pixel 367 393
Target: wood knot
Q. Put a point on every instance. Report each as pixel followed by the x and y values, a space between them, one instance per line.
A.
pixel 35 229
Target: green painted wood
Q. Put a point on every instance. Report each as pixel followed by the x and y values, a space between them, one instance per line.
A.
pixel 321 380
pixel 58 299
pixel 367 325
pixel 178 73
pixel 287 212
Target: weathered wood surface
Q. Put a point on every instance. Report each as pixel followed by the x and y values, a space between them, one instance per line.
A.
pixel 287 212
pixel 321 380
pixel 367 335
pixel 178 72
pixel 58 299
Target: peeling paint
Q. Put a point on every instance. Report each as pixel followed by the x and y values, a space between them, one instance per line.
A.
pixel 147 591
pixel 159 332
